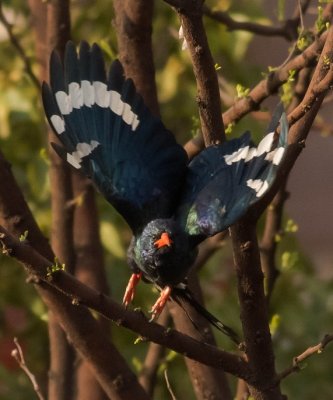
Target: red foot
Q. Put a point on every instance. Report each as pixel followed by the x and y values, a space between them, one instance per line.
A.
pixel 130 288
pixel 160 303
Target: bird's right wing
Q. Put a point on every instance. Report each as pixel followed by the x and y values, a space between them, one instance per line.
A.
pixel 109 134
pixel 225 180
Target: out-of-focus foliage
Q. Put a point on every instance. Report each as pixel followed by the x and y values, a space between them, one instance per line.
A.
pixel 302 306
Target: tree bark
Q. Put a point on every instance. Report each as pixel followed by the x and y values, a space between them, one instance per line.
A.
pixel 61 374
pixel 89 269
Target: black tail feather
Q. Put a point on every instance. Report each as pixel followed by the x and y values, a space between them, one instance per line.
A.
pixel 184 295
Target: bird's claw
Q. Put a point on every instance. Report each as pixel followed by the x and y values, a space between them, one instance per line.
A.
pixel 160 303
pixel 130 289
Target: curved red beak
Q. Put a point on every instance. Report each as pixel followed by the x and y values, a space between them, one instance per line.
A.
pixel 164 240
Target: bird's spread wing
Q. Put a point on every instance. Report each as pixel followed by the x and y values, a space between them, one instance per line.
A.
pixel 224 180
pixel 109 134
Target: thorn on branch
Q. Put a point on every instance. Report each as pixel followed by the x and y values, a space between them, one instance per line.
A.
pixel 76 301
pixel 301 144
pixel 7 251
pixel 246 246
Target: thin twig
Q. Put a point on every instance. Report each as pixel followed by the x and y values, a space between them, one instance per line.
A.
pixel 259 29
pixel 14 41
pixel 300 14
pixel 168 385
pixel 288 29
pixel 19 357
pixel 309 352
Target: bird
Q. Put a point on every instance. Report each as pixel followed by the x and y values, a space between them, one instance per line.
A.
pixel 170 203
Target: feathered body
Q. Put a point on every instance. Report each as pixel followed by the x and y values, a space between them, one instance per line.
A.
pixel 170 204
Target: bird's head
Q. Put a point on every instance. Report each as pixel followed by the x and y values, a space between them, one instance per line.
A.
pixel 164 252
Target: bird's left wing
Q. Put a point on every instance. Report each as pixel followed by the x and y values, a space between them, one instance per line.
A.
pixel 109 134
pixel 225 180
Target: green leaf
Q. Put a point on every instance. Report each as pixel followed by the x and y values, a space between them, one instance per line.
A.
pixel 274 323
pixel 289 260
pixel 242 91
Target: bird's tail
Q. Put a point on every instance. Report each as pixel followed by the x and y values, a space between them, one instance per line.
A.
pixel 182 294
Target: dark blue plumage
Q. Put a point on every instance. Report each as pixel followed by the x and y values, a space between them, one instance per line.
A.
pixel 109 134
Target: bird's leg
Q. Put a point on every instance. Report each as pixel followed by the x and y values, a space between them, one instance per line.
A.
pixel 130 288
pixel 160 303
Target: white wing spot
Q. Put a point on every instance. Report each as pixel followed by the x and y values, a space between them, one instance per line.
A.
pixel 96 93
pixel 116 104
pixel 258 185
pixel 237 155
pixel 75 94
pixel 248 153
pixel 82 150
pixel 102 95
pixel 88 93
pixel 58 123
pixel 64 102
pixel 266 144
pixel 278 155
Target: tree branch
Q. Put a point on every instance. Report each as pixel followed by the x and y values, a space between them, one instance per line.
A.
pixel 36 266
pixel 134 36
pixel 301 120
pixel 62 355
pixel 288 30
pixel 80 325
pixel 208 97
pixel 19 357
pixel 268 242
pixel 253 311
pixel 89 269
pixel 309 352
pixel 269 86
pixel 154 356
pixel 20 51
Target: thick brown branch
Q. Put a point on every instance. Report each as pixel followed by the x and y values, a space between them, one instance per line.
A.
pixel 134 36
pixel 268 243
pixel 61 374
pixel 208 96
pixel 89 269
pixel 253 311
pixel 133 320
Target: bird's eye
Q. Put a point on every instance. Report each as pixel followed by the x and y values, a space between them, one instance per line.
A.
pixel 164 240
